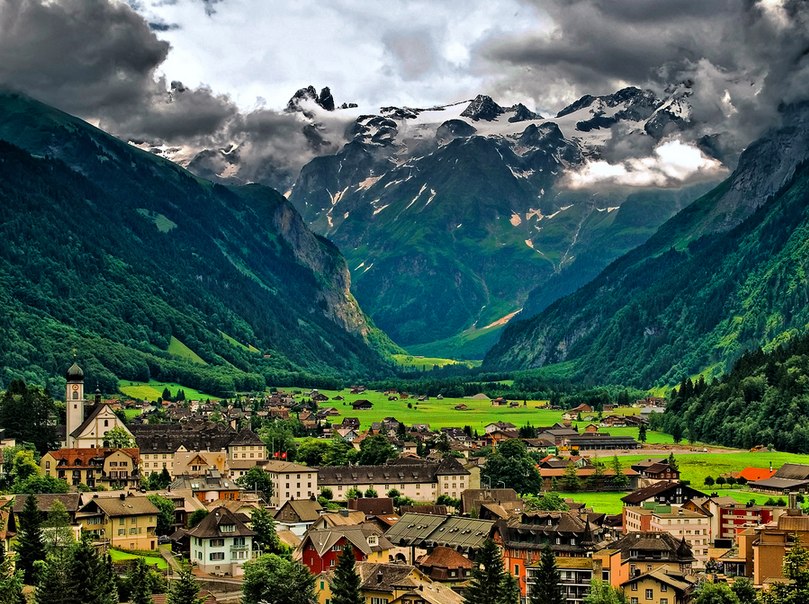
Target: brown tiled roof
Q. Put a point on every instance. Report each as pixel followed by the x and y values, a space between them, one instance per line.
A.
pixel 372 506
pixel 45 501
pixel 208 528
pixel 305 509
pixel 659 488
pixel 649 542
pixel 326 538
pixel 129 506
pixel 85 456
pixel 445 557
pixel 793 471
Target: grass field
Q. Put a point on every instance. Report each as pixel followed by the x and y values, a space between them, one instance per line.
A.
pixel 695 467
pixel 120 556
pixel 131 413
pixel 153 389
pixel 180 350
pixel 419 362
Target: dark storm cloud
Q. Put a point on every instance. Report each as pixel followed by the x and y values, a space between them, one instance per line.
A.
pixel 744 58
pixel 99 60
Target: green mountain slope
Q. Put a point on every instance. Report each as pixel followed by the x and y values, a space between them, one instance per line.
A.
pixel 142 268
pixel 763 400
pixel 700 292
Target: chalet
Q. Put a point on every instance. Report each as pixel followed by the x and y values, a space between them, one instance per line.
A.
pixel 297 515
pixel 582 408
pixel 665 493
pixel 320 548
pixel 362 405
pixel 221 543
pixel 71 502
pixel 350 422
pixel 655 470
pixel 680 522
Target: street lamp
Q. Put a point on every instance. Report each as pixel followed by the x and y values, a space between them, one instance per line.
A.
pixel 502 482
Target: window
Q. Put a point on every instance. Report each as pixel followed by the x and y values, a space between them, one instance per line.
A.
pixel 664 587
pixel 634 587
pixel 633 601
pixel 216 556
pixel 664 601
pixel 649 594
pixel 106 423
pixel 217 542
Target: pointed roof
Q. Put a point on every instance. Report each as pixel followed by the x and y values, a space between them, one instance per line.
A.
pixel 75 373
pixel 210 526
pixel 97 408
pixel 445 557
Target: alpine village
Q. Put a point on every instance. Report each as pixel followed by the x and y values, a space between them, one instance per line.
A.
pixel 523 320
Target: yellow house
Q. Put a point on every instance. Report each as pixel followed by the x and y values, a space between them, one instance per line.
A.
pixel 125 522
pixel 113 468
pixel 391 584
pixel 659 587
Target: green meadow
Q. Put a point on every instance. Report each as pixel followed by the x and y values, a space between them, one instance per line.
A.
pixel 149 391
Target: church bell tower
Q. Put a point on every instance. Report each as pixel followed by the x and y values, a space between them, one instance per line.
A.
pixel 74 400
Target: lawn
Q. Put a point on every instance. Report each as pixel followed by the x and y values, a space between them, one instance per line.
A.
pixel 153 389
pixel 419 362
pixel 180 350
pixel 132 413
pixel 439 413
pixel 121 556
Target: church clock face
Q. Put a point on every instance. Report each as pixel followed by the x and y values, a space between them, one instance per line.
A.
pixel 75 386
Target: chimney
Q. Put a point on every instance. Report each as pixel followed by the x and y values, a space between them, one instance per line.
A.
pixel 793 510
pixel 770 466
pixel 379 577
pixel 122 496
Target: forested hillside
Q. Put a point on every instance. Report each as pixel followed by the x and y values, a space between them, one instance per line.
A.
pixel 149 272
pixel 764 400
pixel 724 276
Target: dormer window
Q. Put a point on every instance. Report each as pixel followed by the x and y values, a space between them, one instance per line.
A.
pixel 373 540
pixel 227 528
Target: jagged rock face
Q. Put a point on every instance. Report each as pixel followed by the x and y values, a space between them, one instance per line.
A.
pixel 522 113
pixel 483 108
pixel 326 100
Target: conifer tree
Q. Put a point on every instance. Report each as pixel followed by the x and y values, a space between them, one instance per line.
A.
pixel 141 583
pixel 487 576
pixel 345 588
pixel 30 543
pixel 509 590
pixel 546 588
pixel 184 590
pixel 92 580
pixel 53 582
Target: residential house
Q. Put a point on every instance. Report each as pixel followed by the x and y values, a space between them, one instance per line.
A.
pixel 422 532
pixel 655 470
pixel 472 500
pixel 372 506
pixel 417 479
pixel 692 525
pixel 569 535
pixel 221 543
pixel 665 493
pixel 212 486
pixel 71 502
pixel 320 548
pixel 639 553
pixel 292 481
pixel 661 586
pixel 362 405
pixel 391 584
pixel 447 566
pixel 110 468
pixel 601 441
pixel 297 515
pixel 125 522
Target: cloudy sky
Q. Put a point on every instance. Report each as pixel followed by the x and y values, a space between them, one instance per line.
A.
pixel 234 63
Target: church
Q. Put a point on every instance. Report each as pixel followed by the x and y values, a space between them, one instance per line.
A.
pixel 86 428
